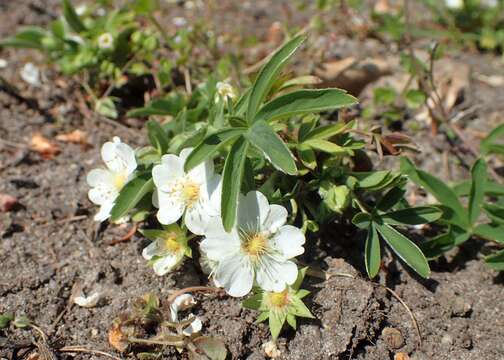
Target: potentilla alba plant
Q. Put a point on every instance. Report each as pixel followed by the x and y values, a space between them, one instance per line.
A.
pixel 251 177
pixel 258 249
pixel 106 184
pixel 193 195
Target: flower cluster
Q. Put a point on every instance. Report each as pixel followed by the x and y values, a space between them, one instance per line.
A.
pixel 259 249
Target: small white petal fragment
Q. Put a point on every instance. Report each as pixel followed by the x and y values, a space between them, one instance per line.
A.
pixel 193 328
pixel 3 63
pixel 87 301
pixel 181 303
pixel 31 74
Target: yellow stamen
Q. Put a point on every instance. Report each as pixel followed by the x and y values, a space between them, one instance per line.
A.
pixel 190 192
pixel 279 300
pixel 170 243
pixel 255 244
pixel 119 181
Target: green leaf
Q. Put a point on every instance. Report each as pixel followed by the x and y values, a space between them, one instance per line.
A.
pixel 439 189
pixel 307 156
pixel 479 177
pixel 131 194
pixel 370 179
pixel 325 146
pixel 405 249
pixel 384 95
pixel 71 17
pixel 276 321
pixel 298 308
pixel 304 102
pixel 372 255
pixel 362 220
pixel 496 261
pixel 29 38
pixel 415 98
pixel 486 143
pixel 106 107
pixel 390 199
pixel 444 242
pixel 491 189
pixel 157 136
pixel 253 302
pixel 168 106
pixel 268 74
pixel 412 216
pixel 328 131
pixel 213 348
pixel 494 212
pixel 492 232
pixel 145 6
pixel 299 279
pixel 210 145
pixel 262 317
pixel 21 322
pixel 5 319
pixel 274 149
pixel 231 181
pixel 291 320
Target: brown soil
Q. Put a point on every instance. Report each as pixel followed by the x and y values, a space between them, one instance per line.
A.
pixel 50 243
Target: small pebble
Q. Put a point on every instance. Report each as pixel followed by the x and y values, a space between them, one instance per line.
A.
pixel 447 340
pixel 460 308
pixel 393 338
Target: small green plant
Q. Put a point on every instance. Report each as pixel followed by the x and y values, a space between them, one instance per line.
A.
pixel 460 222
pixel 253 175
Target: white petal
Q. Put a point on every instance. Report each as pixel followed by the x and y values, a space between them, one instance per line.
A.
pixel 193 328
pixel 166 264
pixel 104 212
pixel 97 177
pixel 196 219
pixel 202 173
pixel 150 251
pixel 181 303
pixel 236 275
pixel 184 154
pixel 277 216
pixel 87 301
pixel 274 275
pixel 222 246
pixel 253 209
pixel 213 189
pixel 170 169
pixel 171 208
pixel 289 240
pixel 119 157
pixel 102 194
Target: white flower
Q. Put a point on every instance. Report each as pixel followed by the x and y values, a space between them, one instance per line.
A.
pixel 257 250
pixel 225 90
pixel 31 74
pixel 106 183
pixel 168 250
pixel 181 303
pixel 105 41
pixel 81 9
pixel 179 21
pixel 194 195
pixel 454 4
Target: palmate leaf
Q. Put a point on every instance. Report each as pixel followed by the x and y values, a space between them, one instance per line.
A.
pixel 274 149
pixel 231 181
pixel 268 74
pixel 304 102
pixel 131 194
pixel 479 177
pixel 405 249
pixel 211 145
pixel 372 253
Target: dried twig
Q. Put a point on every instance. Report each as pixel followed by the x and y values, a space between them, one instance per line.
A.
pixel 81 349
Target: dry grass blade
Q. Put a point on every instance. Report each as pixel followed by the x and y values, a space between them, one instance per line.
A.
pixel 81 349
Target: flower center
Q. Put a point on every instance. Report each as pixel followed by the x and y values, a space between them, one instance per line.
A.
pixel 190 192
pixel 170 244
pixel 255 244
pixel 119 181
pixel 279 299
